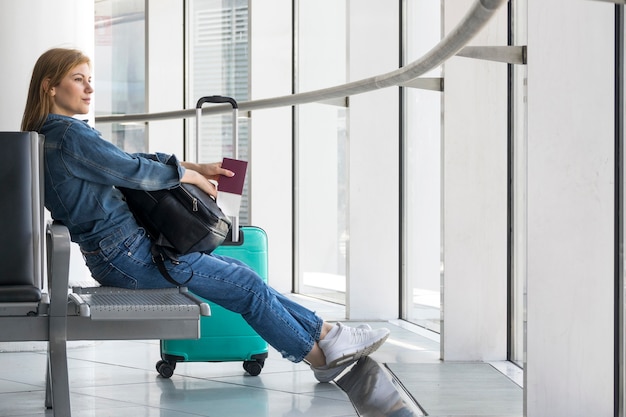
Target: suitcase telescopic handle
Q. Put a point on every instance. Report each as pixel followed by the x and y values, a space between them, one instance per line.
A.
pixel 217 99
pixel 235 106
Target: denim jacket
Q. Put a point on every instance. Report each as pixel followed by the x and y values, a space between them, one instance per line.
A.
pixel 81 172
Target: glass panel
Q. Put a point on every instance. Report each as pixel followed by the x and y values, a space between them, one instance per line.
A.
pixel 518 149
pixel 422 175
pixel 321 153
pixel 218 49
pixel 119 71
pixel 322 202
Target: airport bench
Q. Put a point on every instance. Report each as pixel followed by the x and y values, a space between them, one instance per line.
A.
pixel 36 303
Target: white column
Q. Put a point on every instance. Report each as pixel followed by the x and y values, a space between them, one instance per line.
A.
pixel 27 29
pixel 569 366
pixel 474 305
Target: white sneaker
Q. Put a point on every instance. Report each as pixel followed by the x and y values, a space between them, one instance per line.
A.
pixel 348 344
pixel 326 373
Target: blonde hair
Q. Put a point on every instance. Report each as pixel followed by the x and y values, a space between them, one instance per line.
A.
pixel 51 67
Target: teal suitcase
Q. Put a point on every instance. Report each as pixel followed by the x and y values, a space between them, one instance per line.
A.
pixel 225 336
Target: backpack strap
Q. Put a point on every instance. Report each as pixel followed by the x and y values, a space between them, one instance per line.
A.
pixel 159 255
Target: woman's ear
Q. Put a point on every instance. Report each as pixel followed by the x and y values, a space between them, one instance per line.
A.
pixel 45 85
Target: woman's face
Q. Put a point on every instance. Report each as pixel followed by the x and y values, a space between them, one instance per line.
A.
pixel 73 94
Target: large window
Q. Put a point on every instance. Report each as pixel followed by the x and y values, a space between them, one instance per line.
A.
pixel 422 175
pixel 321 152
pixel 218 64
pixel 119 74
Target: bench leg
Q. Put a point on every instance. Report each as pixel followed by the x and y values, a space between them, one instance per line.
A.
pixel 57 379
pixel 48 382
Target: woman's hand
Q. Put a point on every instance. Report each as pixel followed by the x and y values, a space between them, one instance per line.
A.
pixel 210 171
pixel 204 175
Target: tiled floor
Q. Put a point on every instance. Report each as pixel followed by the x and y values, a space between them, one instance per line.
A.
pixel 118 378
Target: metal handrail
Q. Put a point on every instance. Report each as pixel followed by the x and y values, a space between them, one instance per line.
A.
pixel 474 20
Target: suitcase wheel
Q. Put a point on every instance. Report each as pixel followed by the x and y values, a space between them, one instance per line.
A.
pixel 253 367
pixel 165 368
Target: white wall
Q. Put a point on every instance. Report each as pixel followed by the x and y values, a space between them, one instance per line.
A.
pixel 569 357
pixel 475 198
pixel 27 29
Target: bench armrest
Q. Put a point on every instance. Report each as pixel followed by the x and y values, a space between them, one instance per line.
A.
pixel 58 253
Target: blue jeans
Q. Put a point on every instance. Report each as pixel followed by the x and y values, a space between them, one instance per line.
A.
pixel 125 261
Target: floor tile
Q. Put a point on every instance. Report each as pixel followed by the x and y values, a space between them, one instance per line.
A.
pixel 449 389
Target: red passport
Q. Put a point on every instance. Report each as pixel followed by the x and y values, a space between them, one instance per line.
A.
pixel 233 185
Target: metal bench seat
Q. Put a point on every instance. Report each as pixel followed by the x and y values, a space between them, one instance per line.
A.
pixel 110 303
